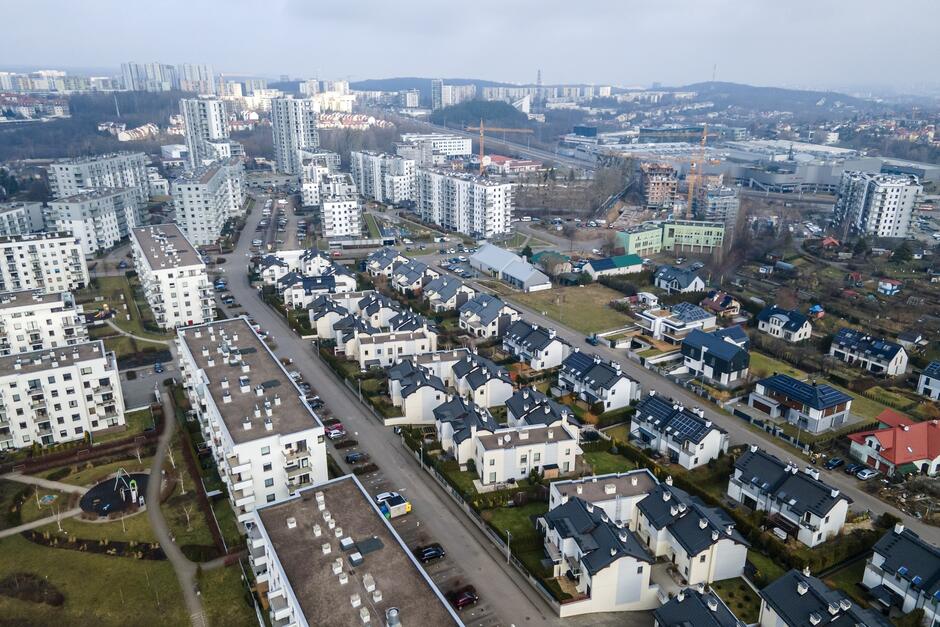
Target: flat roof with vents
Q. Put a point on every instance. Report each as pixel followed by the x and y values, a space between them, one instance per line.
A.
pixel 229 345
pixel 165 246
pixel 31 298
pixel 37 361
pixel 387 575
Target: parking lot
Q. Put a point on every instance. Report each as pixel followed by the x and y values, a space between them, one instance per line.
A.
pixel 280 227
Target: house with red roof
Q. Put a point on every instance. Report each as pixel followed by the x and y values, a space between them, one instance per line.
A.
pixel 902 446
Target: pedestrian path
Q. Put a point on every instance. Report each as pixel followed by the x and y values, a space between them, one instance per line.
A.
pixel 44 483
pixel 42 522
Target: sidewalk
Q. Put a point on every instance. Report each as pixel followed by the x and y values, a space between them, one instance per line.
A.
pixel 44 483
pixel 42 522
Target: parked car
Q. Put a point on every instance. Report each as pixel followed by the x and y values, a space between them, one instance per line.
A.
pixel 294 375
pixel 851 469
pixel 867 473
pixel 592 340
pixel 355 458
pixel 463 597
pixel 834 463
pixel 336 432
pixel 158 368
pixel 430 552
pixel 384 496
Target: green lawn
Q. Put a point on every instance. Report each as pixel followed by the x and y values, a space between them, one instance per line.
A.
pixel 136 421
pixel 225 598
pixel 764 366
pixel 135 528
pixel 373 227
pixel 34 509
pixel 9 490
pixel 740 598
pixel 525 541
pixel 605 463
pixel 462 479
pixel 770 569
pixel 847 580
pixel 112 288
pixel 227 522
pixel 621 433
pixel 584 309
pixel 85 475
pixel 98 589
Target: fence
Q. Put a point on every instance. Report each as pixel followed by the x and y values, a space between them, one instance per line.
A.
pixel 772 429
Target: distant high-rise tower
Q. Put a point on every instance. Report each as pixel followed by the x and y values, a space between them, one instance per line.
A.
pixel 538 78
pixel 294 128
pixel 206 129
pixel 878 205
pixel 437 93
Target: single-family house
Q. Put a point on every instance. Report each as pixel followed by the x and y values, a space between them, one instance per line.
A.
pixel 813 407
pixel 593 380
pixel 928 383
pixel 722 304
pixel 527 407
pixel 678 280
pixel 610 266
pixel 797 503
pixel 903 572
pixel 673 325
pixel 551 263
pixel 485 316
pixel 906 447
pixel 512 453
pixel 785 324
pixel 720 357
pixel 416 391
pixel 889 287
pixel 692 608
pixel 377 309
pixel 447 293
pixel 481 380
pixel 685 436
pixel 540 348
pixel 299 291
pixel 458 423
pixel 381 350
pixel 605 561
pixel 912 339
pixel 383 261
pixel 876 355
pixel 616 493
pixel 324 312
pixel 701 541
pixel 409 278
pixel 797 599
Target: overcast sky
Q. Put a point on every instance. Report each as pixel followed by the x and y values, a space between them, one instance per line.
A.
pixel 819 43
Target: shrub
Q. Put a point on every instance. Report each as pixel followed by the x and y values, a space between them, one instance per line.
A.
pixel 345 444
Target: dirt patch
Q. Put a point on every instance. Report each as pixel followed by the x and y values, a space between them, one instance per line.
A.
pixel 32 588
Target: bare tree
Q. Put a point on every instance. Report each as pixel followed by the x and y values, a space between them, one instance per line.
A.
pixel 187 511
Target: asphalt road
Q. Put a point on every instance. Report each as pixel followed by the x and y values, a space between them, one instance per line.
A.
pixel 510 599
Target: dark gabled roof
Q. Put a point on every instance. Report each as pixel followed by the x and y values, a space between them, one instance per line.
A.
pixel 402 370
pixel 384 257
pixel 410 272
pixel 534 408
pixel 620 261
pixel 374 302
pixel 484 306
pixel 445 287
pixel 715 345
pixel 682 277
pixel 794 319
pixel 669 417
pixel 308 283
pixel 418 379
pixel 352 323
pixel 323 304
pixel 718 301
pixel 864 343
pixel 786 484
pixel 592 370
pixel 601 541
pixel 815 395
pixel 464 416
pixel 531 336
pixel 694 609
pixel 271 260
pixel 797 599
pixel 694 525
pixel 933 370
pixel 408 321
pixel 912 559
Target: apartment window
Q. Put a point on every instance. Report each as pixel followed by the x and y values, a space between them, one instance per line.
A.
pixel 536 457
pixel 270 498
pixel 265 450
pixel 524 459
pixel 492 477
pixel 702 559
pixel 492 462
pixel 269 483
pixel 639 570
pixel 266 467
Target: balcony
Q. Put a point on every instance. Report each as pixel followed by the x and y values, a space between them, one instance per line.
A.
pixel 295 456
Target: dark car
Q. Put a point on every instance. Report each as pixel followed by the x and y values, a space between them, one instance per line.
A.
pixel 463 597
pixel 430 552
pixel 592 340
pixel 158 368
pixel 834 463
pixel 355 458
pixel 851 469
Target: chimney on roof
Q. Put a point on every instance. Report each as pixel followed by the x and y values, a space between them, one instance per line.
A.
pixel 899 528
pixel 806 572
pixel 669 480
pixel 712 603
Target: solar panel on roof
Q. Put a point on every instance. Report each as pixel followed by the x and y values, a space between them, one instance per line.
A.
pixel 917 580
pixel 902 570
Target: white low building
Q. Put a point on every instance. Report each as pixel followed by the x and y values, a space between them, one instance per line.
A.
pixel 529 407
pixel 876 355
pixel 675 324
pixel 410 278
pixel 593 380
pixel 382 262
pixel 796 502
pixel 538 347
pixel 32 321
pixel 172 275
pixel 903 572
pixel 928 382
pixel 416 391
pixel 683 435
pixel 509 267
pixel 785 324
pixel 59 395
pixel 486 316
pixel 480 380
pixel 512 453
pixel 51 262
pixel 458 424
pixel 329 556
pixel 381 350
pixel 264 438
pixel 447 293
pixel 617 494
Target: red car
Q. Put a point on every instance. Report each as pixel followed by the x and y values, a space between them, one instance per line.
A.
pixel 463 597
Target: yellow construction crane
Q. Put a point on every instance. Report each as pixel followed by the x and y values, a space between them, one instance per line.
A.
pixel 696 165
pixel 495 130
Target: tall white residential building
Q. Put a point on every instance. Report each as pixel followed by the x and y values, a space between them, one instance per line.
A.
pixel 149 76
pixel 68 177
pixel 99 218
pixel 266 440
pixel 207 135
pixel 464 203
pixel 341 216
pixel 383 177
pixel 51 262
pixel 878 205
pixel 172 275
pixel 206 197
pixel 20 218
pixel 59 395
pixel 32 321
pixel 294 128
pixel 197 77
pixel 329 556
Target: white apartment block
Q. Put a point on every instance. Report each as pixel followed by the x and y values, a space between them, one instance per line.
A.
pixel 207 134
pixel 382 177
pixel 68 177
pixel 294 128
pixel 172 275
pixel 328 556
pixel 51 262
pixel 99 218
pixel 514 452
pixel 59 395
pixel 341 216
pixel 441 143
pixel 20 218
pixel 205 198
pixel 381 350
pixel 32 321
pixel 264 438
pixel 464 203
pixel 878 205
